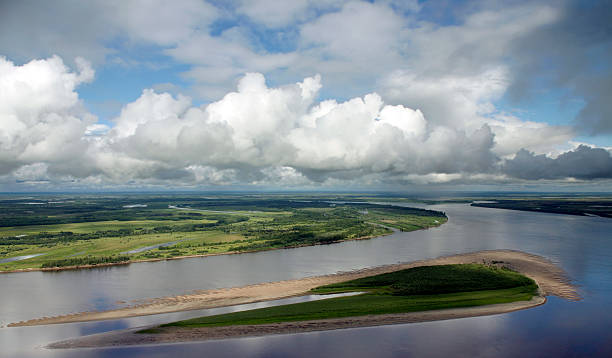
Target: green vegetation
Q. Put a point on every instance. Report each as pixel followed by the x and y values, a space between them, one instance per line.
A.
pixel 411 290
pixel 94 229
pixel 88 260
pixel 569 206
pixel 433 280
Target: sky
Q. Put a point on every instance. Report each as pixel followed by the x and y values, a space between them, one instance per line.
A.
pixel 283 95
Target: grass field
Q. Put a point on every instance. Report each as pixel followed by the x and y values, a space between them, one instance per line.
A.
pixel 416 289
pixel 102 229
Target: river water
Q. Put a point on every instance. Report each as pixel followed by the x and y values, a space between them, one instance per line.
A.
pixel 581 245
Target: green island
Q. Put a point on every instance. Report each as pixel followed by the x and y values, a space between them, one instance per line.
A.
pixel 64 231
pixel 411 290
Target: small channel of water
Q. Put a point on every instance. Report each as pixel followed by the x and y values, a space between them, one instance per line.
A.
pixel 19 258
pixel 147 248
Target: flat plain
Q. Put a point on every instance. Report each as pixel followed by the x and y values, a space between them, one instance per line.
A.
pixel 85 231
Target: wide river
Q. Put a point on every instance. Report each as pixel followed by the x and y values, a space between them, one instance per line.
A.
pixel 581 245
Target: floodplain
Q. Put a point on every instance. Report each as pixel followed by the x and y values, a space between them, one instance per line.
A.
pixel 84 231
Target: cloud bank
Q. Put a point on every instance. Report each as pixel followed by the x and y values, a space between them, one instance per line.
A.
pixel 526 46
pixel 261 135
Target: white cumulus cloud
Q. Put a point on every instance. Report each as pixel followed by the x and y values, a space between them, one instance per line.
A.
pixel 262 135
pixel 41 119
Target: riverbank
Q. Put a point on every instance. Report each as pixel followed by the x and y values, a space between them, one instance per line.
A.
pixel 550 278
pixel 121 263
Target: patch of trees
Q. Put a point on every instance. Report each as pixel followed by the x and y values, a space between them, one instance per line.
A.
pixel 305 235
pixel 24 215
pixel 87 260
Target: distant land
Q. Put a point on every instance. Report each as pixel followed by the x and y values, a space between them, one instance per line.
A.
pixel 569 206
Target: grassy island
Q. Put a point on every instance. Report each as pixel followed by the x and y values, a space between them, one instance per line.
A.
pixel 411 290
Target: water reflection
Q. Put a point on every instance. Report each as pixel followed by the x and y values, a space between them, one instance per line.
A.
pixel 580 244
pixel 29 341
pixel 541 331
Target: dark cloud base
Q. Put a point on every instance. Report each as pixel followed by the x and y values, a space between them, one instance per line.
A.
pixel 584 163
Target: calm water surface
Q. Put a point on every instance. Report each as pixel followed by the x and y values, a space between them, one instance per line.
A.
pixel 581 245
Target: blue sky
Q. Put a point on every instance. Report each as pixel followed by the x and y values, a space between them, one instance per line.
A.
pixel 118 84
pixel 277 92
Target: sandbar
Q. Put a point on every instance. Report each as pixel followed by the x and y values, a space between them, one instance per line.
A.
pixel 551 280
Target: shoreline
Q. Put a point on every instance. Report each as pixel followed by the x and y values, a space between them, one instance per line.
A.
pixel 551 280
pixel 85 267
pixel 169 335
